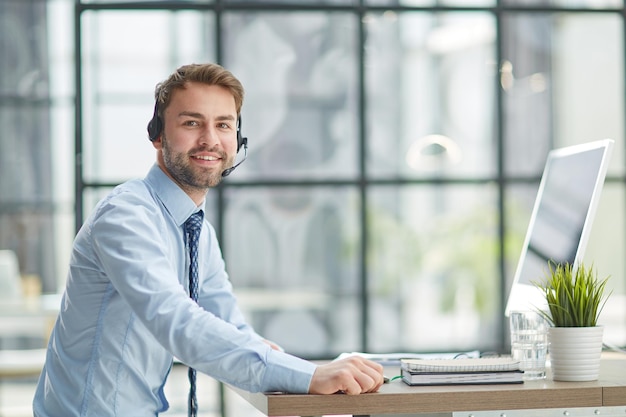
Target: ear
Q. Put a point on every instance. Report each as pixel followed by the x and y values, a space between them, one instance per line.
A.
pixel 158 142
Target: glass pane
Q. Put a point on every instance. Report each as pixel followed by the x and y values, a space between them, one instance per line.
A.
pixel 292 257
pixel 563 82
pixel 300 75
pixel 433 268
pixel 605 251
pixel 320 3
pixel 430 94
pixel 584 4
pixel 29 211
pixel 124 57
pixel 428 3
pixel 143 1
pixel 519 203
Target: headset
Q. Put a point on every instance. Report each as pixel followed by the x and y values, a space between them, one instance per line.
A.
pixel 155 127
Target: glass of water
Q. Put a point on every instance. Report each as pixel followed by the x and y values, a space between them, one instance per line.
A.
pixel 529 342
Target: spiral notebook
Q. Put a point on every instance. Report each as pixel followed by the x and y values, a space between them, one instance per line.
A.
pixel 460 365
pixel 461 371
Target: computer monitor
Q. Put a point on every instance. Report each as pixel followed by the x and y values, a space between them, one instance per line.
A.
pixel 560 223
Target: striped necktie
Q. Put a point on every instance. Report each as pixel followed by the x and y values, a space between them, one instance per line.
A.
pixel 193 226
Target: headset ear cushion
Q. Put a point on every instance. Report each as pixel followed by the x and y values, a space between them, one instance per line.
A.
pixel 154 128
pixel 155 125
pixel 243 142
pixel 240 139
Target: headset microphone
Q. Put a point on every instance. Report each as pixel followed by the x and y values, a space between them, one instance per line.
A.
pixel 244 143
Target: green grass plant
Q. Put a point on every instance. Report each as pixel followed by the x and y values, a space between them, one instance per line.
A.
pixel 575 297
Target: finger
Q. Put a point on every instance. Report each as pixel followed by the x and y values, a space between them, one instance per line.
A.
pixel 374 372
pixel 369 380
pixel 367 374
pixel 352 387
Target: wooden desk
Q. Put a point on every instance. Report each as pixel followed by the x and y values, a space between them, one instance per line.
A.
pixel 564 398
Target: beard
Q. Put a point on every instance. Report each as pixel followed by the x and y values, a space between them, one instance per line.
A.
pixel 188 176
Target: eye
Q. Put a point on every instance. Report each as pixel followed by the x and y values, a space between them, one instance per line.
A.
pixel 191 123
pixel 223 125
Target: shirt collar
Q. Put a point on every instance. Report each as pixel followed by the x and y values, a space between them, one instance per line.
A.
pixel 175 200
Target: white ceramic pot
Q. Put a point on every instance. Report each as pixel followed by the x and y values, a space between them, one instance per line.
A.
pixel 575 352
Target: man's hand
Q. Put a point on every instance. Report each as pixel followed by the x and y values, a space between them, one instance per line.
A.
pixel 352 375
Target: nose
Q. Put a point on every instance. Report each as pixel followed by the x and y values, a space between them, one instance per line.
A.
pixel 209 136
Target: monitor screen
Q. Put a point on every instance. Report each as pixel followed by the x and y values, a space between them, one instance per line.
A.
pixel 561 219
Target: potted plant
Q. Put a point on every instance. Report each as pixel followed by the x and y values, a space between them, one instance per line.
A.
pixel 575 298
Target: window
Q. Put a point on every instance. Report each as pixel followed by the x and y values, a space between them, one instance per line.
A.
pixel 395 149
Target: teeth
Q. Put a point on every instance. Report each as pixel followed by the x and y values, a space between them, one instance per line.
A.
pixel 207 158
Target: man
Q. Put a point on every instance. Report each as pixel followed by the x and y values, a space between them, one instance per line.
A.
pixel 127 311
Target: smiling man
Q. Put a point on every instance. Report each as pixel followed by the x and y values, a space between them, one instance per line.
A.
pixel 137 296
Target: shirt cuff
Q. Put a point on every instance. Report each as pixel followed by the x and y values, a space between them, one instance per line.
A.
pixel 287 373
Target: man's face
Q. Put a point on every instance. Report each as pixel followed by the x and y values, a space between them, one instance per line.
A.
pixel 199 138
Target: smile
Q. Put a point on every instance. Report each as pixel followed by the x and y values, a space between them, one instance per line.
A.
pixel 207 158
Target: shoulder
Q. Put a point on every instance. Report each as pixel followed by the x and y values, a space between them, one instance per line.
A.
pixel 131 200
pixel 135 193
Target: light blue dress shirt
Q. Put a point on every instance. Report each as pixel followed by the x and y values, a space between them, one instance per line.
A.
pixel 126 313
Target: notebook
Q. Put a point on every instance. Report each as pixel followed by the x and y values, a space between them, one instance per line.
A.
pixel 460 365
pixel 461 371
pixel 468 378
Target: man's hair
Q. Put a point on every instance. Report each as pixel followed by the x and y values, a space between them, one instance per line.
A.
pixel 210 74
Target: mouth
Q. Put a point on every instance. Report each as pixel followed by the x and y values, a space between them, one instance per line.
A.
pixel 206 157
pixel 203 161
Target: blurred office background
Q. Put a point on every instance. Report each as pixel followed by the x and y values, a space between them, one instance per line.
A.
pixel 395 151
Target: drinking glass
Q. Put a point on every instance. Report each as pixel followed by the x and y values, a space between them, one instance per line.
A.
pixel 529 342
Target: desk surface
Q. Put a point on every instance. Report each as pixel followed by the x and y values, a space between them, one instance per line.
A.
pixel 398 398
